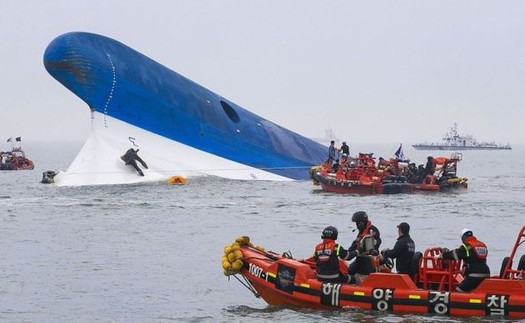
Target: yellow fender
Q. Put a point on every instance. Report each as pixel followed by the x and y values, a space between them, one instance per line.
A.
pixel 231 260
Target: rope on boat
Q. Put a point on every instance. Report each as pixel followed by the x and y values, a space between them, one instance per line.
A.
pixel 246 283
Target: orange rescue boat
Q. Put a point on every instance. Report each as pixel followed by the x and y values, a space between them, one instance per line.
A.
pixel 284 281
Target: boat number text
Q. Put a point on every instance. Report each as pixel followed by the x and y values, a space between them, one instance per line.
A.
pixel 256 271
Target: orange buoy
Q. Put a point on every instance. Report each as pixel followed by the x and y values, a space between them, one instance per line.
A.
pixel 177 179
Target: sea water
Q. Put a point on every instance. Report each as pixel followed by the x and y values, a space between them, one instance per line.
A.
pixel 152 252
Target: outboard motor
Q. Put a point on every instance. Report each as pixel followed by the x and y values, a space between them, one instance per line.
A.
pixel 48 177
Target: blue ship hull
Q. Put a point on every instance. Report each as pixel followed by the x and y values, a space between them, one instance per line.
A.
pixel 119 82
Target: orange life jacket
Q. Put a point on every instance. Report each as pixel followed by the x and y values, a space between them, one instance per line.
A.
pixel 479 248
pixel 326 256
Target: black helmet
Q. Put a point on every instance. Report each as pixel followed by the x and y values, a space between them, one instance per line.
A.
pixel 360 216
pixel 329 233
pixel 361 219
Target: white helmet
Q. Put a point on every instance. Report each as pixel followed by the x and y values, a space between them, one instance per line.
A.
pixel 466 232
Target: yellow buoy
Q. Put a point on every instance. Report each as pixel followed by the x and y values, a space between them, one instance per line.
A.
pixel 236 246
pixel 244 240
pixel 238 254
pixel 237 265
pixel 231 257
pixel 226 265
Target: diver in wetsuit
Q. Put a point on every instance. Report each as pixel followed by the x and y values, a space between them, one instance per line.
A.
pixel 131 157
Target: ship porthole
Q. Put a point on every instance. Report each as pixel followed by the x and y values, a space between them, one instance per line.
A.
pixel 230 112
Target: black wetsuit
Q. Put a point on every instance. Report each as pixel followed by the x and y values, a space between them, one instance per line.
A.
pixel 403 252
pixel 131 157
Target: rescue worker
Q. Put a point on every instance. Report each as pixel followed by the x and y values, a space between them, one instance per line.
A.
pixel 131 157
pixel 363 264
pixel 327 254
pixel 474 254
pixel 345 149
pixel 430 167
pixel 382 164
pixel 403 251
pixel 344 163
pixel 333 151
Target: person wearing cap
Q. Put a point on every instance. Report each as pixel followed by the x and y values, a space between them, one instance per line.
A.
pixel 403 251
pixel 474 254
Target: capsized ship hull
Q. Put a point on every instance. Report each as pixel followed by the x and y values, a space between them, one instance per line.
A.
pixel 180 127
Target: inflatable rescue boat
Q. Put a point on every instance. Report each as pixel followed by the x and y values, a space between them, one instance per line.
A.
pixel 284 281
pixel 362 176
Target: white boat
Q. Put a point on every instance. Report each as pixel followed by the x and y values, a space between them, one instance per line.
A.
pixel 452 140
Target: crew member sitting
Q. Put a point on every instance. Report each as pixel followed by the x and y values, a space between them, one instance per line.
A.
pixel 474 253
pixel 327 254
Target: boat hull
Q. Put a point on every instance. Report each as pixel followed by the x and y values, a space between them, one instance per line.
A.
pixel 282 281
pixel 120 83
pixel 330 183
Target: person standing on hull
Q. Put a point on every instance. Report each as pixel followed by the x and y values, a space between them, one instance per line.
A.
pixel 131 157
pixel 361 247
pixel 403 251
pixel 474 254
pixel 327 255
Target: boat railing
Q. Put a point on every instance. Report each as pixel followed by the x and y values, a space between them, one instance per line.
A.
pixel 437 273
pixel 507 272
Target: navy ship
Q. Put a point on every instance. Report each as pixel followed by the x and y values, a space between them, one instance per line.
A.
pixel 452 140
pixel 178 126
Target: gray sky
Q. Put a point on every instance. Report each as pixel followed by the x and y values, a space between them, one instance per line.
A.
pixel 373 71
